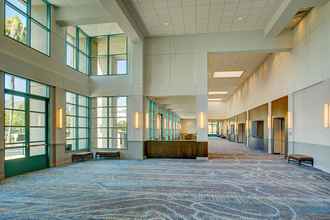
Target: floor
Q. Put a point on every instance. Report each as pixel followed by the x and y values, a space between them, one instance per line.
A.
pixel 169 189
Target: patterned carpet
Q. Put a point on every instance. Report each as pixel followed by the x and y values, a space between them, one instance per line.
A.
pixel 169 189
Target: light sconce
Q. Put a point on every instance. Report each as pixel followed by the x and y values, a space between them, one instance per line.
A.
pixel 158 122
pixel 326 115
pixel 289 120
pixel 201 120
pixel 147 120
pixel 136 120
pixel 59 118
pixel 269 122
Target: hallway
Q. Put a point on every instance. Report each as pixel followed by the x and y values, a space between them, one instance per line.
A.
pixel 223 149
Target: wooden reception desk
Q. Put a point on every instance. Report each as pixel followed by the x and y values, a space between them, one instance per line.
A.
pixel 175 149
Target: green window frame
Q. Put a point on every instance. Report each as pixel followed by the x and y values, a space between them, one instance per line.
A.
pixel 26 118
pixel 77 47
pixel 77 122
pixel 24 24
pixel 110 59
pixel 111 122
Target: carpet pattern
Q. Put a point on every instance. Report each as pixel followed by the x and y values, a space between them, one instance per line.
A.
pixel 169 189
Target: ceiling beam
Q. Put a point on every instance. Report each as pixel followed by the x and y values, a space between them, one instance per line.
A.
pixel 285 13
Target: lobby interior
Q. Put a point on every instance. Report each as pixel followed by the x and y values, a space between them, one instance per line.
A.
pixel 165 109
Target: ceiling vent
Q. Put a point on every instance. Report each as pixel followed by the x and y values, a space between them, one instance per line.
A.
pixel 299 16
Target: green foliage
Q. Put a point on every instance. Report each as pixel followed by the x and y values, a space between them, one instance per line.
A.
pixel 16 29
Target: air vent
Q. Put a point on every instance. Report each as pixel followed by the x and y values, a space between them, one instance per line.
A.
pixel 298 17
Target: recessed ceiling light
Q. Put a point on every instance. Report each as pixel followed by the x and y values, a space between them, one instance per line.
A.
pixel 218 93
pixel 165 23
pixel 228 74
pixel 240 18
pixel 215 99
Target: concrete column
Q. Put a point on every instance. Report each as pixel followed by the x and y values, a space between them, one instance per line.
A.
pixel 291 124
pixel 247 128
pixel 2 120
pixel 269 124
pixel 201 117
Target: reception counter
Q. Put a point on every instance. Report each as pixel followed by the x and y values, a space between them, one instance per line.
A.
pixel 175 149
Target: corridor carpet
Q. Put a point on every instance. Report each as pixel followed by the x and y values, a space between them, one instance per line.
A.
pixel 169 189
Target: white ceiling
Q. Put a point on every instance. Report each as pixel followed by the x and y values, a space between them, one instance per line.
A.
pixel 246 61
pixel 184 106
pixel 93 30
pixel 63 3
pixel 178 17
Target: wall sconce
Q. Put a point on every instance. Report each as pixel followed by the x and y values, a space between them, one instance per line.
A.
pixel 165 123
pixel 136 119
pixel 326 115
pixel 290 120
pixel 201 120
pixel 158 122
pixel 59 118
pixel 269 122
pixel 147 120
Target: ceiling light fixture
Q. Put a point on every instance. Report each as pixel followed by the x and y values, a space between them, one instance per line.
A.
pixel 240 18
pixel 218 93
pixel 228 74
pixel 213 100
pixel 165 23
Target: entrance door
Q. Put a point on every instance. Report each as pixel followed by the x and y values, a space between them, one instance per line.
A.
pixel 26 133
pixel 241 133
pixel 279 135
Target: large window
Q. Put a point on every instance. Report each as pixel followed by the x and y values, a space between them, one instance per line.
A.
pixel 109 55
pixel 28 21
pixel 26 104
pixel 77 121
pixel 212 128
pixel 77 49
pixel 111 122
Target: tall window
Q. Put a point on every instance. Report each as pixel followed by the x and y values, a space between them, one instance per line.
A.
pixel 28 21
pixel 109 55
pixel 26 104
pixel 77 121
pixel 77 49
pixel 111 122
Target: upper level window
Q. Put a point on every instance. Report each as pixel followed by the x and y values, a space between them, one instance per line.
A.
pixel 77 49
pixel 109 55
pixel 28 21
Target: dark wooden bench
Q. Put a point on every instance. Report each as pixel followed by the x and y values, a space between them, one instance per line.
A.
pixel 108 154
pixel 300 158
pixel 82 156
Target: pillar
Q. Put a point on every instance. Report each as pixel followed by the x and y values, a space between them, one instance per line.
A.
pixel 201 117
pixel 247 128
pixel 269 124
pixel 2 120
pixel 291 124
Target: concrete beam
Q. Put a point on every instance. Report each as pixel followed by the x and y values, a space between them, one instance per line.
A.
pixel 285 13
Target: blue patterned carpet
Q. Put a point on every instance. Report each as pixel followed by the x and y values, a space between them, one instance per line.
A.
pixel 169 189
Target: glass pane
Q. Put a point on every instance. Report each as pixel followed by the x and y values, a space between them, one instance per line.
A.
pixel 83 122
pixel 70 121
pixel 37 150
pixel 102 143
pixel 37 105
pixel 16 153
pixel 83 144
pixel 99 65
pixel 37 134
pixel 83 42
pixel 9 81
pixel 70 109
pixel 14 135
pixel 102 132
pixel 39 11
pixel 20 4
pixel 101 101
pixel 14 118
pixel 72 144
pixel 101 112
pixel 118 44
pixel 70 56
pixel 14 102
pixel 70 133
pixel 71 35
pixel 38 89
pixel 37 119
pixel 71 98
pixel 39 38
pixel 118 122
pixel 83 63
pixel 121 101
pixel 118 65
pixel 83 100
pixel 83 111
pixel 118 133
pixel 99 46
pixel 118 112
pixel 19 84
pixel 15 25
pixel 83 132
pixel 117 143
pixel 102 122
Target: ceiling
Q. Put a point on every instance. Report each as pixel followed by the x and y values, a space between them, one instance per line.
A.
pixel 178 17
pixel 63 3
pixel 184 106
pixel 246 61
pixel 93 30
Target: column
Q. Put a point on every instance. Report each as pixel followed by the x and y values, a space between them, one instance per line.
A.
pixel 291 124
pixel 247 128
pixel 2 120
pixel 201 117
pixel 269 124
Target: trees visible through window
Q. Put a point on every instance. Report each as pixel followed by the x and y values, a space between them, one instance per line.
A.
pixel 28 21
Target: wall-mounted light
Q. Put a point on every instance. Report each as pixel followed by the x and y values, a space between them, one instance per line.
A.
pixel 201 120
pixel 136 120
pixel 147 120
pixel 59 118
pixel 290 120
pixel 326 115
pixel 158 122
pixel 269 122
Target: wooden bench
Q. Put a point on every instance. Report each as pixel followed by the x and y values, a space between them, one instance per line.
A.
pixel 300 158
pixel 82 156
pixel 108 154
